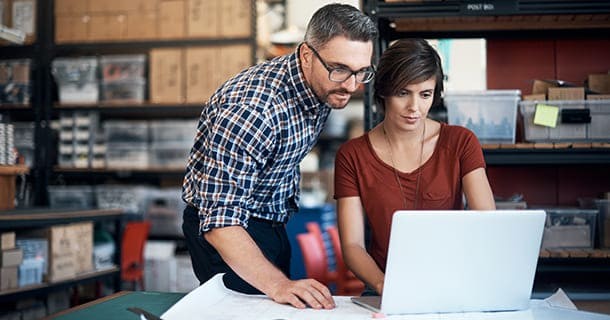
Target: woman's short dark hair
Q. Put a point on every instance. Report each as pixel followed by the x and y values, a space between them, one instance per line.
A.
pixel 405 62
pixel 339 20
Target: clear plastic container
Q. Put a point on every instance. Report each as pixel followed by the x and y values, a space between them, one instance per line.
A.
pixel 76 197
pixel 76 79
pixel 595 130
pixel 118 131
pixel 569 228
pixel 491 114
pixel 127 156
pixel 122 67
pixel 124 91
pixel 178 131
pixel 169 155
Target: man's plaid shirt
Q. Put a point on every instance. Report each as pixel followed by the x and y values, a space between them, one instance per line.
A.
pixel 252 135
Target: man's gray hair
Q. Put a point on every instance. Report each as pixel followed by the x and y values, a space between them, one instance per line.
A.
pixel 339 20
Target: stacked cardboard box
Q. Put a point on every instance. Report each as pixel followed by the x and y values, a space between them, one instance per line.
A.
pixel 19 15
pixel 191 75
pixel 10 259
pixel 120 20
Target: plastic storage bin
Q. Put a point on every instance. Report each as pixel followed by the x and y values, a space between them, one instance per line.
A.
pixel 76 197
pixel 122 67
pixel 169 155
pixel 15 85
pixel 124 91
pixel 578 120
pixel 179 131
pixel 76 79
pixel 491 114
pixel 132 199
pixel 127 156
pixel 126 132
pixel 569 228
pixel 164 211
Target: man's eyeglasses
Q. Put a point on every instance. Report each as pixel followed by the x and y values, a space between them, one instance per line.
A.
pixel 342 74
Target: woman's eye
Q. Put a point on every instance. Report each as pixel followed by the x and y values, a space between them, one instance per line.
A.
pixel 402 93
pixel 426 95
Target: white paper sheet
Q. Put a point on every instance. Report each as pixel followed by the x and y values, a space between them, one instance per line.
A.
pixel 213 300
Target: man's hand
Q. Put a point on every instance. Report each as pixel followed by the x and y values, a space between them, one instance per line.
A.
pixel 242 254
pixel 302 293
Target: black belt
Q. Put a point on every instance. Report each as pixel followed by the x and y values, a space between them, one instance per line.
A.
pixel 273 224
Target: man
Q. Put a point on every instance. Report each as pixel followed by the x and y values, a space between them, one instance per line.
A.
pixel 241 183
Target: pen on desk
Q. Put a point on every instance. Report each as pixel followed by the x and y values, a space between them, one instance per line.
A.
pixel 144 315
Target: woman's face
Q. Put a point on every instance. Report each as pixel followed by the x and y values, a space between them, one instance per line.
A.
pixel 409 107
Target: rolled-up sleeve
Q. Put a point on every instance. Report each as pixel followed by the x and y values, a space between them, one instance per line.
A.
pixel 233 149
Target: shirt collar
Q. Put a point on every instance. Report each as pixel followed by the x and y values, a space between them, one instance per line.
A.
pixel 307 98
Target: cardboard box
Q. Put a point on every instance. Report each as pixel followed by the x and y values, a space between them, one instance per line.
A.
pixel 571 93
pixel 62 257
pixel 11 257
pixel 71 7
pixel 5 16
pixel 8 278
pixel 542 86
pixel 83 248
pixel 110 6
pixel 24 18
pixel 104 27
pixel 142 25
pixel 236 18
pixel 598 97
pixel 203 18
pixel 172 21
pixel 72 28
pixel 7 240
pixel 599 83
pixel 166 76
pixel 538 97
pixel 234 59
pixel 202 76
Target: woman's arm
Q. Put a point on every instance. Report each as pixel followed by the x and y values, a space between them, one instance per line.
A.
pixel 477 190
pixel 350 218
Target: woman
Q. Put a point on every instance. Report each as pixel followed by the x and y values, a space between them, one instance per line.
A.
pixel 405 162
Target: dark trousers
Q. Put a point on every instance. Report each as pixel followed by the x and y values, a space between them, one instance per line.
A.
pixel 271 238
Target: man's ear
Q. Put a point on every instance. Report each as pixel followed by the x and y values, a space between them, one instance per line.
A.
pixel 305 55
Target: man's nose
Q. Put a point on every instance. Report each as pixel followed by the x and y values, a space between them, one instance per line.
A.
pixel 350 84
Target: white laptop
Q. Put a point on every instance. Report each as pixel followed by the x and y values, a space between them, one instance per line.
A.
pixel 459 261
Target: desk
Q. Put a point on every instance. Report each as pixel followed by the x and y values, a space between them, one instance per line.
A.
pixel 115 306
pixel 213 301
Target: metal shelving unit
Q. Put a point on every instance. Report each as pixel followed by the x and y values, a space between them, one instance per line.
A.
pixel 19 220
pixel 43 108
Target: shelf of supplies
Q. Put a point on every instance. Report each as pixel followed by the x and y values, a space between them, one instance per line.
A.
pixel 455 19
pixel 448 8
pixel 529 155
pixel 43 217
pixel 33 290
pixel 131 46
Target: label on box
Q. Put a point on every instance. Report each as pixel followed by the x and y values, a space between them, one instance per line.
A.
pixel 546 115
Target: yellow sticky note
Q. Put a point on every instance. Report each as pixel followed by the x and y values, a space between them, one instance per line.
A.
pixel 546 115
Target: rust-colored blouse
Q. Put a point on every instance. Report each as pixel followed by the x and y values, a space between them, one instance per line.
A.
pixel 360 172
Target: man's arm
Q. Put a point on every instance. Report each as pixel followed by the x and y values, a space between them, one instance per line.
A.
pixel 242 254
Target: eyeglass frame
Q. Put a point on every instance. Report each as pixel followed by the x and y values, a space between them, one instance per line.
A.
pixel 330 70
